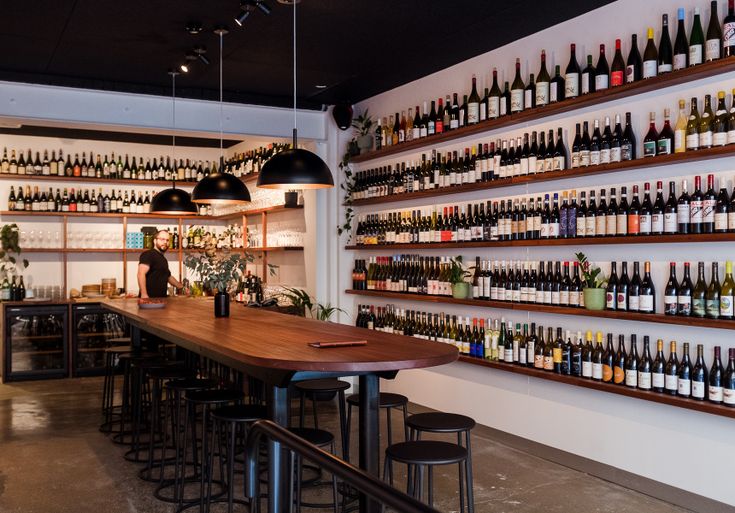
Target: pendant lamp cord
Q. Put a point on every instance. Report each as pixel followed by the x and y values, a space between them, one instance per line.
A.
pixel 294 75
pixel 173 123
pixel 221 156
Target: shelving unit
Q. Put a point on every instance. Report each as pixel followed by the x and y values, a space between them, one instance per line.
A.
pixel 706 70
pixel 563 310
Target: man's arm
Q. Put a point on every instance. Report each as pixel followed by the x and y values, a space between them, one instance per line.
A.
pixel 142 271
pixel 173 281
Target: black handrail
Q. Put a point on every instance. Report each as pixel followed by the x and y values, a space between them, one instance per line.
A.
pixel 357 478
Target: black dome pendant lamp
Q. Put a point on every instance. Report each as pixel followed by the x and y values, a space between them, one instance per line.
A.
pixel 295 168
pixel 173 201
pixel 221 188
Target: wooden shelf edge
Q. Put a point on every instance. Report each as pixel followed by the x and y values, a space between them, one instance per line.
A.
pixel 701 71
pixel 671 400
pixel 93 180
pixel 103 214
pixel 268 210
pixel 641 163
pixel 561 310
pixel 573 241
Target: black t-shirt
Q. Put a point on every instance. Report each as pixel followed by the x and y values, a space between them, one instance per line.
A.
pixel 156 280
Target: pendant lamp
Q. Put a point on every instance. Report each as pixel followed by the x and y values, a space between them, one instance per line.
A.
pixel 173 201
pixel 295 168
pixel 221 188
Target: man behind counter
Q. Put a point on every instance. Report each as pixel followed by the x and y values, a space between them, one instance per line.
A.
pixel 154 275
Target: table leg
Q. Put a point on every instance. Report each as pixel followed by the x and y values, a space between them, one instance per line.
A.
pixel 135 337
pixel 277 458
pixel 369 439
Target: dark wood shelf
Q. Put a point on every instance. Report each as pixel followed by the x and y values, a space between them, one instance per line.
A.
pixel 641 163
pixel 671 400
pixel 563 310
pixel 705 70
pixel 271 249
pixel 268 210
pixel 93 180
pixel 574 241
pixel 100 214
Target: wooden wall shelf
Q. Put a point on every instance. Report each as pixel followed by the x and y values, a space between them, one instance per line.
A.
pixel 574 241
pixel 563 310
pixel 110 215
pixel 94 181
pixel 671 400
pixel 641 163
pixel 268 210
pixel 701 71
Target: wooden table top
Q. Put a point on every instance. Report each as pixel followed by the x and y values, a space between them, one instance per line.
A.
pixel 258 338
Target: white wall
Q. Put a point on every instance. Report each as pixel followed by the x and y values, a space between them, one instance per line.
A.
pixel 681 448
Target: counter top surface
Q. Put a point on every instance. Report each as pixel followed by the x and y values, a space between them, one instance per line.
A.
pixel 278 341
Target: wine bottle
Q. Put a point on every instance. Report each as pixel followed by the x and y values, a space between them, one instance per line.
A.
pixel 712 296
pixel 608 359
pixel 671 379
pixel 665 141
pixel 493 106
pixel 597 355
pixel 684 379
pixel 720 123
pixel 572 75
pixel 617 70
pixel 706 121
pixel 631 364
pixel 665 52
pixel 699 292
pixel 634 64
pixel 602 71
pixel 728 380
pixel 587 351
pixel 612 288
pixel 728 38
pixel 716 375
pixel 696 41
pixel 699 376
pixel 680 130
pixel 588 77
pixel 647 291
pixel 542 83
pixel 671 292
pixel 473 103
pixel 713 43
pixel 651 139
pixel 650 57
pixel 556 86
pixel 658 369
pixel 727 291
pixel 645 366
pixel 619 362
pixel 681 44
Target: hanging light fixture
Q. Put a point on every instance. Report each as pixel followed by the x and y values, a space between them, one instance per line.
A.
pixel 173 201
pixel 295 168
pixel 221 188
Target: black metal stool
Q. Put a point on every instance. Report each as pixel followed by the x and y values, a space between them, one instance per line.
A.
pixel 207 399
pixel 428 454
pixel 226 421
pixel 158 375
pixel 175 390
pixel 440 422
pixel 324 390
pixel 387 401
pixel 322 439
pixel 132 394
pixel 112 355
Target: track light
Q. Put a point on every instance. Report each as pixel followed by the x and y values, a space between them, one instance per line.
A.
pixel 243 14
pixel 186 65
pixel 200 51
pixel 260 4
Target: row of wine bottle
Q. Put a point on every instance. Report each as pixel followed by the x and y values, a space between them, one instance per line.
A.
pixel 553 283
pixel 565 354
pixel 701 212
pixel 81 200
pixel 99 167
pixel 543 89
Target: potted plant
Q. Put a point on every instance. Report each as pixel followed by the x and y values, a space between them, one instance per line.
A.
pixel 291 199
pixel 219 273
pixel 302 303
pixel 364 124
pixel 594 284
pixel 457 275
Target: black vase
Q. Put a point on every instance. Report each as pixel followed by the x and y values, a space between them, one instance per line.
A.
pixel 221 304
pixel 291 199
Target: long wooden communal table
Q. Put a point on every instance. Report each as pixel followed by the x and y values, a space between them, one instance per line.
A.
pixel 274 348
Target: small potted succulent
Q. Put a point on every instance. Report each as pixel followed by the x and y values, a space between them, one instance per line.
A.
pixel 594 284
pixel 457 275
pixel 364 125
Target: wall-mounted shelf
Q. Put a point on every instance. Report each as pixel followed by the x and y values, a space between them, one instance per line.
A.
pixel 563 310
pixel 617 167
pixel 701 71
pixel 90 180
pixel 671 400
pixel 100 214
pixel 574 241
pixel 268 210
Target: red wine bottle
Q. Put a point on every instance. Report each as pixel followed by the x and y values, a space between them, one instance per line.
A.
pixel 617 70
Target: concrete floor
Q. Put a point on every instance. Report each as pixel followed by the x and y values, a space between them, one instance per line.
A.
pixel 53 459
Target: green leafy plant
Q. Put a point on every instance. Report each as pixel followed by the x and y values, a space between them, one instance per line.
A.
pixel 348 185
pixel 457 272
pixel 592 276
pixel 363 123
pixel 10 246
pixel 302 303
pixel 219 272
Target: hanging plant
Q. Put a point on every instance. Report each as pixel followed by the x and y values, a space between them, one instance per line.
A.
pixel 9 245
pixel 348 185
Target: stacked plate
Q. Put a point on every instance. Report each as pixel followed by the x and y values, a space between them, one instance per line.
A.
pixel 109 287
pixel 93 290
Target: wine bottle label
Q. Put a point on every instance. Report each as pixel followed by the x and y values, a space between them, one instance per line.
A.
pixel 658 380
pixel 547 297
pixel 650 68
pixel 542 93
pixel 634 224
pixel 553 230
pixel 605 156
pixel 563 298
pixel 695 54
pixel 587 369
pixel 616 78
pixel 575 159
pixel 698 389
pixel 680 141
pixel 473 113
pixel 582 224
pixel 607 373
pixel 571 85
pixel 684 387
pixel 728 34
pixel 698 306
pixel 528 98
pixel 657 223
pixel 683 214
pixel 644 380
pixel 708 210
pixel 539 296
pixel 680 61
pixel 715 394
pixel 509 354
pixel 555 297
pixel 584 158
pixel 646 303
pixel 585 83
pixel 574 298
pixel 600 225
pixel 483 111
pixel 705 139
pixel 631 378
pixel 516 296
pixel 728 396
pixel 626 151
pixel 601 82
pixel 726 306
pixel 618 375
pixel 629 74
pixel 559 163
pixel 634 303
pixel 712 307
pixel 594 158
pixel 621 301
pixel 671 382
pixel 590 226
pixel 616 154
pixel 611 224
pixel 692 141
pixel 695 212
pixel 596 371
pixel 712 49
pixel 610 300
pixel 649 148
pixel 522 358
pixel 670 305
pixel 549 164
pixel 664 68
pixel 508 295
pixel 493 107
pixel 719 139
pixel 670 222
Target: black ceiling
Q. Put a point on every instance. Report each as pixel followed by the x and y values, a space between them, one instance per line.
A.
pixel 357 48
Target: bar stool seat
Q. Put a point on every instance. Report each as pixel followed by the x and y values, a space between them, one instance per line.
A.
pixel 322 439
pixel 387 400
pixel 213 396
pixel 186 385
pixel 241 413
pixel 426 452
pixel 324 390
pixel 438 422
pixel 318 437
